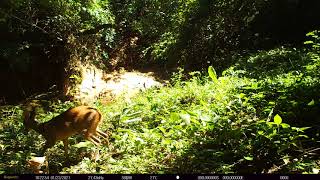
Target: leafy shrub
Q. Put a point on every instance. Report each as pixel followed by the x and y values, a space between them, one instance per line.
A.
pixel 198 126
pixel 207 124
pixel 191 33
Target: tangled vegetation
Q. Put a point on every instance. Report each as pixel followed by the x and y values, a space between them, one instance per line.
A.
pixel 244 121
pixel 229 108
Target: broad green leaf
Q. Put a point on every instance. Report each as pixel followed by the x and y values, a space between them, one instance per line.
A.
pixel 308 42
pixel 302 135
pixel 212 74
pixel 284 125
pixel 248 158
pixel 277 119
pixel 310 33
pixel 311 103
pixel 260 132
pixel 271 103
pixel 294 144
pixel 241 95
pixel 304 128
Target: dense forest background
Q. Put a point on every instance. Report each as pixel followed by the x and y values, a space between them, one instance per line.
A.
pixel 241 92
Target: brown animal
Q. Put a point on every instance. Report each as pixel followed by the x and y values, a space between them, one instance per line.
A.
pixel 81 119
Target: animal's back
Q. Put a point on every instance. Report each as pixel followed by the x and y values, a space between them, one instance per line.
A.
pixel 72 121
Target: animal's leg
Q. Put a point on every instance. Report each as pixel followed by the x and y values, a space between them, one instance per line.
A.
pixel 102 134
pixel 65 143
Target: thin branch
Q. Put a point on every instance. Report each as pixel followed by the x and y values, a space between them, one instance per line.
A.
pixel 34 25
pixel 31 24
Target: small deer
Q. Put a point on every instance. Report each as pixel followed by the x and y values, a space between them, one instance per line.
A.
pixel 77 120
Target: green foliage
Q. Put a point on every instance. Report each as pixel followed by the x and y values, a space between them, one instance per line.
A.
pixel 259 116
pixel 277 120
pixel 60 18
pixel 201 125
pixel 46 38
pixel 314 54
pixel 13 144
pixel 212 74
pixel 49 27
pixel 188 32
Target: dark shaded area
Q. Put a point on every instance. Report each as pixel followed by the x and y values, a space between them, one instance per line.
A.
pixel 284 22
pixel 29 71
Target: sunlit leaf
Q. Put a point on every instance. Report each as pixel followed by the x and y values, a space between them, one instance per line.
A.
pixel 212 74
pixel 311 103
pixel 248 158
pixel 167 141
pixel 174 117
pixel 286 160
pixel 302 135
pixel 284 125
pixel 304 128
pixel 271 103
pixel 260 132
pixel 294 144
pixel 241 95
pixel 308 42
pixel 162 130
pixel 277 119
pixel 310 33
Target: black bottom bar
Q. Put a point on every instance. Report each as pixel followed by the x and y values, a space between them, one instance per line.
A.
pixel 157 177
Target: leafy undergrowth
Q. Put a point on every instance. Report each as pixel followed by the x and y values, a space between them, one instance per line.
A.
pixel 259 116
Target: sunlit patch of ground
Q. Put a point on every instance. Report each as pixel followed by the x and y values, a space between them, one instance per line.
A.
pixel 95 85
